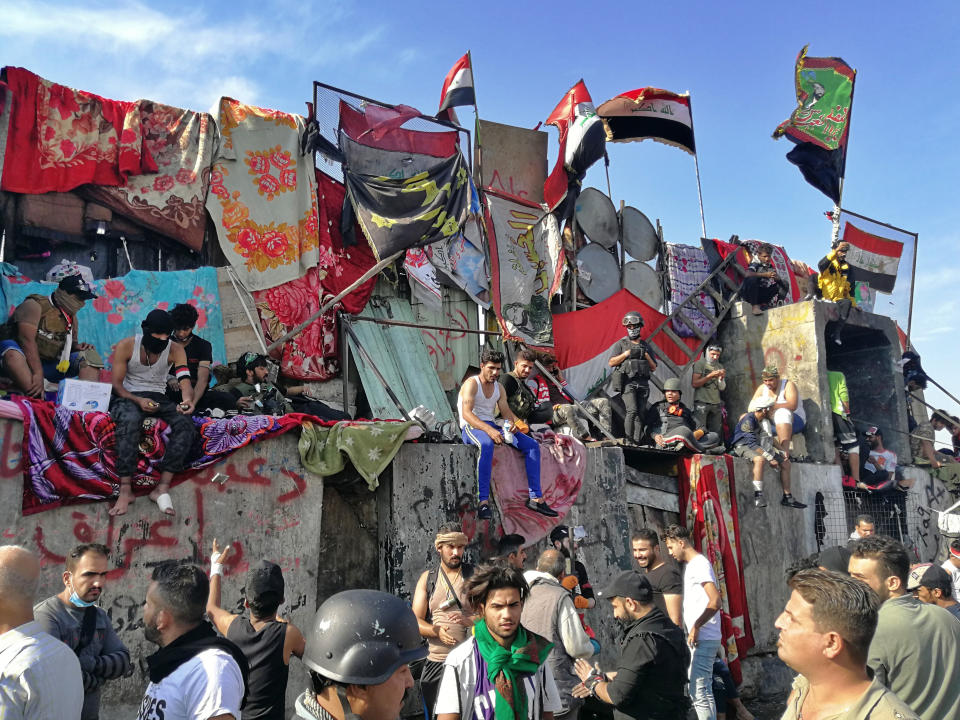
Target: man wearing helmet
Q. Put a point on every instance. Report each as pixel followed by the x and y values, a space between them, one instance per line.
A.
pixel 709 380
pixel 745 443
pixel 672 424
pixel 359 652
pixel 634 363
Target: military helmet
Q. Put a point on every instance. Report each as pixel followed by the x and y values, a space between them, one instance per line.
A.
pixel 671 384
pixel 361 637
pixel 632 318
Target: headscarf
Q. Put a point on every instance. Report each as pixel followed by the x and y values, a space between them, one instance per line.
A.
pixel 451 538
pixel 506 667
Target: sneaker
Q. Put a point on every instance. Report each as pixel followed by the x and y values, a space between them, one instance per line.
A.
pixel 790 501
pixel 484 512
pixel 759 500
pixel 542 508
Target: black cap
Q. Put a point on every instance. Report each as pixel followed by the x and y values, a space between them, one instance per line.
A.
pixel 76 285
pixel 559 533
pixel 629 584
pixel 265 582
pixel 158 321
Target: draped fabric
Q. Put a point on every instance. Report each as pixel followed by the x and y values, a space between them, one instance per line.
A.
pixel 60 138
pixel 708 505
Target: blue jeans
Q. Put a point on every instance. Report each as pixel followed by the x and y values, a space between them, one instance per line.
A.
pixel 50 371
pixel 701 679
pixel 524 443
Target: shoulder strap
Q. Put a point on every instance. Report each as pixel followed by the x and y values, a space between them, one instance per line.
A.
pixel 456 598
pixel 431 588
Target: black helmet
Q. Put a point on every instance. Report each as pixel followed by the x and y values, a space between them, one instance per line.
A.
pixel 633 318
pixel 360 637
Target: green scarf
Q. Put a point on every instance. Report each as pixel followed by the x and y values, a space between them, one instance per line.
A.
pixel 506 665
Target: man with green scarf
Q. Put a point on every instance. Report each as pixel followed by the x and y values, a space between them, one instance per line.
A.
pixel 499 672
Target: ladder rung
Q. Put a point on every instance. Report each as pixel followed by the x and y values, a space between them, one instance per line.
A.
pixel 693 327
pixel 734 287
pixel 707 312
pixel 668 331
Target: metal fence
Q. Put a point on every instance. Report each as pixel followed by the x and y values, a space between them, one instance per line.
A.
pixel 893 515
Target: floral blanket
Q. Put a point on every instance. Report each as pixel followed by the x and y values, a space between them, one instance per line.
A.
pixel 263 196
pixel 125 301
pixel 687 267
pixel 70 457
pixel 314 354
pixel 708 505
pixel 60 138
pixel 172 201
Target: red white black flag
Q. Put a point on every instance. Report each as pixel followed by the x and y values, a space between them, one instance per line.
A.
pixel 581 143
pixel 649 114
pixel 458 86
pixel 874 259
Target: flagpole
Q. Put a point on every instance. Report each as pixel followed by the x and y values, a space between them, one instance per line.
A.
pixel 835 240
pixel 913 279
pixel 696 165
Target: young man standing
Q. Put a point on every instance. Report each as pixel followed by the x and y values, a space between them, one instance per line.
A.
pixel 701 618
pixel 709 380
pixel 510 550
pixel 844 433
pixel 265 640
pixel 664 577
pixel 481 396
pixel 825 632
pixel 73 617
pixel 444 615
pixel 631 379
pixel 914 651
pixel 500 672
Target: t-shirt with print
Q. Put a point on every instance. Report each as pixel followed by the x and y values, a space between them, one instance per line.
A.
pixel 665 580
pixel 465 685
pixel 759 267
pixel 885 460
pixel 697 572
pixel 206 685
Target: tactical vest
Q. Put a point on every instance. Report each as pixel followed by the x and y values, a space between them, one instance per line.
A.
pixel 51 331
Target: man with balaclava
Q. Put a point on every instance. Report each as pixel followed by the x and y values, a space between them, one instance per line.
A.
pixel 140 368
pixel 40 340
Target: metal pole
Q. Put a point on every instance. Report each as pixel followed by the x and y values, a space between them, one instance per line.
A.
pixel 419 326
pixel 943 389
pixel 696 165
pixel 257 330
pixel 576 402
pixel 913 279
pixel 344 364
pixel 369 361
pixel 333 301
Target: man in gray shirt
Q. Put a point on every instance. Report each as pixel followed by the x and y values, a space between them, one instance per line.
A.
pixel 73 617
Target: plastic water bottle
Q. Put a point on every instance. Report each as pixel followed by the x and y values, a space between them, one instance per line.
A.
pixel 507 433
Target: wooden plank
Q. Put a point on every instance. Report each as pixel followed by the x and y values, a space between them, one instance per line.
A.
pixel 678 342
pixel 648 497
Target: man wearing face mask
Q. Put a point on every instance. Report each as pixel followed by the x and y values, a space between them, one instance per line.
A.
pixel 73 617
pixel 634 364
pixel 39 341
pixel 140 368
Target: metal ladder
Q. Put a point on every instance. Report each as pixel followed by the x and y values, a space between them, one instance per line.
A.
pixel 724 291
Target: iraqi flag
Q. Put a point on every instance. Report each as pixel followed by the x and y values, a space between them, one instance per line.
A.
pixel 585 364
pixel 875 260
pixel 649 114
pixel 582 143
pixel 458 86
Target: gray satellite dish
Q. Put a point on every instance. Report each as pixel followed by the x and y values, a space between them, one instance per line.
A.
pixel 597 272
pixel 640 239
pixel 597 217
pixel 641 279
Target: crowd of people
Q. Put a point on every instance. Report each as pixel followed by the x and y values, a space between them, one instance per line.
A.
pixel 869 636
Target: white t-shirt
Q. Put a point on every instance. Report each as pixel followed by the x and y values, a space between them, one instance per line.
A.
pixel 205 686
pixel 885 460
pixel 954 573
pixel 461 664
pixel 697 572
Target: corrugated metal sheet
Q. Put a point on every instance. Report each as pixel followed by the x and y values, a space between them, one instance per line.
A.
pixel 402 358
pixel 451 351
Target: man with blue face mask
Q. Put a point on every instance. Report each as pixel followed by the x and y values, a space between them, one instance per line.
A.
pixel 73 617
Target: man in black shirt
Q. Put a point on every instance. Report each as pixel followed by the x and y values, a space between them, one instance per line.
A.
pixel 651 676
pixel 664 577
pixel 199 358
pixel 631 379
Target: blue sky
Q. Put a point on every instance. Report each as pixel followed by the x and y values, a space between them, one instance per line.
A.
pixel 736 59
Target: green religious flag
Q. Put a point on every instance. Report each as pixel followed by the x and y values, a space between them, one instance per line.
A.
pixel 824 95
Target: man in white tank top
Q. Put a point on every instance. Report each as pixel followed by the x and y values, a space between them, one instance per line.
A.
pixel 788 418
pixel 140 368
pixel 480 398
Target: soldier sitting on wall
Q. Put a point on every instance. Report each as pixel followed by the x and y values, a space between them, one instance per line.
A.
pixel 672 425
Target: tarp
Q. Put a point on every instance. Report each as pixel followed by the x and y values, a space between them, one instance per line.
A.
pixel 404 361
pixel 125 301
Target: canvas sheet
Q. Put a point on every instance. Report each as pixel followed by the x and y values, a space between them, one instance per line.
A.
pixel 61 138
pixel 263 196
pixel 526 264
pixel 171 201
pixel 125 301
pixel 708 505
pixel 687 267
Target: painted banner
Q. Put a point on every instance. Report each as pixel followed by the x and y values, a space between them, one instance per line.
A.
pixel 649 114
pixel 526 258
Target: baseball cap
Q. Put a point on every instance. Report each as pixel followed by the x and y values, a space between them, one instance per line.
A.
pixel 265 581
pixel 872 431
pixel 76 285
pixel 562 531
pixel 917 575
pixel 629 584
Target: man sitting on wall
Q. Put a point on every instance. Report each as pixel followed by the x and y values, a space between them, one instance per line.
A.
pixel 256 395
pixel 199 358
pixel 789 416
pixel 40 340
pixel 671 424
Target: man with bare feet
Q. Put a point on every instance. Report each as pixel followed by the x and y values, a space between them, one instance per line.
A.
pixel 140 368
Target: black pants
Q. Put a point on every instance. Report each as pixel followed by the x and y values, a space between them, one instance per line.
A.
pixel 635 407
pixel 430 684
pixel 211 399
pixel 317 409
pixel 128 418
pixel 755 293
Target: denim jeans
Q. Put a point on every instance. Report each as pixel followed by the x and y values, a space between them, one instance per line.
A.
pixel 701 679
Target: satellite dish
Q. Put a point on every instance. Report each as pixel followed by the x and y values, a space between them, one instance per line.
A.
pixel 597 272
pixel 640 239
pixel 641 279
pixel 597 217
